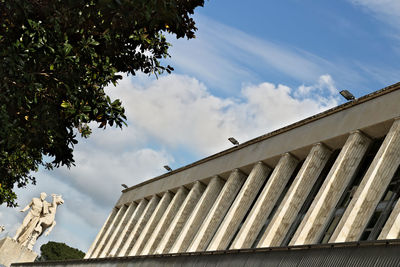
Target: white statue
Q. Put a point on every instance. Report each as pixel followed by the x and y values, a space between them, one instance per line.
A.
pixel 38 207
pixel 46 221
pixel 40 217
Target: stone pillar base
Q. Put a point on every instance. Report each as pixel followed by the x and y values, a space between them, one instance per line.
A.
pixel 12 252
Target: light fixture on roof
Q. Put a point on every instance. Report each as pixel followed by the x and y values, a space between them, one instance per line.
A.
pixel 346 94
pixel 233 141
pixel 124 186
pixel 168 168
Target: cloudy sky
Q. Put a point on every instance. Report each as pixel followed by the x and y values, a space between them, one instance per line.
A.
pixel 255 66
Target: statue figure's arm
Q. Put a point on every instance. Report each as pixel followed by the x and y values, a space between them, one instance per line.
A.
pixel 27 207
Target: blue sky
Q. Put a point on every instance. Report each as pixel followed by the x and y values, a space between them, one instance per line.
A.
pixel 255 66
pixel 354 41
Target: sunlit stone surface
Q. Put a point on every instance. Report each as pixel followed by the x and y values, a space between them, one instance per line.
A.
pixel 323 206
pixel 371 189
pixel 265 202
pixel 199 213
pixel 238 210
pixel 295 197
pixel 218 211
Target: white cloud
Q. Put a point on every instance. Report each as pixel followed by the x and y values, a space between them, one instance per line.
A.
pixel 179 111
pixel 385 10
pixel 101 172
pixel 323 92
pixel 272 107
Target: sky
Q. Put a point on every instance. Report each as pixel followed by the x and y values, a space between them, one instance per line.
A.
pixel 255 66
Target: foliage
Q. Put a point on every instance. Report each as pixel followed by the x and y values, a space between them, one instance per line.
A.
pixel 53 251
pixel 56 58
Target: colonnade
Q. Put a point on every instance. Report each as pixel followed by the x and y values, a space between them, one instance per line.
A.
pixel 260 209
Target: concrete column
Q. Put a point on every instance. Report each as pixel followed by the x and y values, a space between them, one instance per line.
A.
pixel 391 230
pixel 217 212
pixel 151 224
pixel 101 233
pixel 265 202
pixel 118 229
pixel 180 219
pixel 340 175
pixel 127 230
pixel 197 217
pixel 165 221
pixel 141 223
pixel 239 208
pixel 295 197
pixel 110 230
pixel 371 189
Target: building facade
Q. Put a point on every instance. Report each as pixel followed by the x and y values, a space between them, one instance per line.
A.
pixel 330 178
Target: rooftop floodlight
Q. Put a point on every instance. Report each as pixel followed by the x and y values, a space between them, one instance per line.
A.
pixel 346 94
pixel 233 141
pixel 124 186
pixel 168 168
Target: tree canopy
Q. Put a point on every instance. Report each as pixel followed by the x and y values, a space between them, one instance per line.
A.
pixel 56 58
pixel 53 251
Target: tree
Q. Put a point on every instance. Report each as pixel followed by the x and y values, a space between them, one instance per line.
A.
pixel 53 251
pixel 56 58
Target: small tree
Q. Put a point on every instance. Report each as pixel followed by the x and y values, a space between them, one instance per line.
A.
pixel 53 251
pixel 56 58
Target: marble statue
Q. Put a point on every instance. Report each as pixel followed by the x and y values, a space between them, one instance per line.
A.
pixel 37 206
pixel 46 221
pixel 40 217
